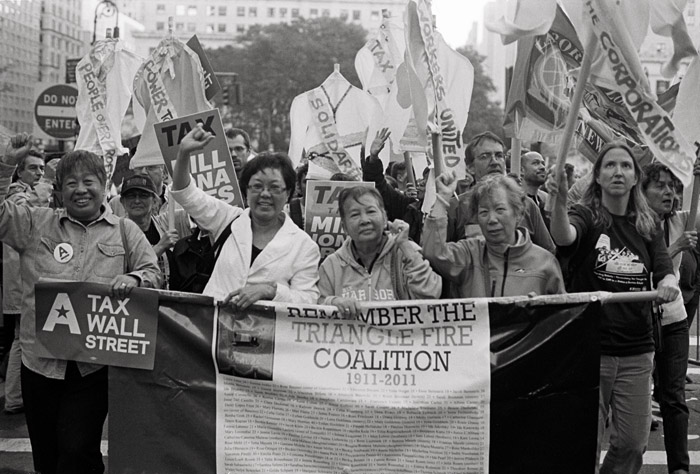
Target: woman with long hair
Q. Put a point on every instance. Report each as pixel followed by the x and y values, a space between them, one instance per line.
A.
pixel 612 239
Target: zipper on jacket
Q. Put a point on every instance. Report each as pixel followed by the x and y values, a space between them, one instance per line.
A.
pixel 505 270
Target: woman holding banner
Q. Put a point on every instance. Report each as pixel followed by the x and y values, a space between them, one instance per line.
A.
pixel 505 262
pixel 614 245
pixel 266 257
pixel 377 262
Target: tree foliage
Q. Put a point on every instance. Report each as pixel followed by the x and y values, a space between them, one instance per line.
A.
pixel 275 63
pixel 484 113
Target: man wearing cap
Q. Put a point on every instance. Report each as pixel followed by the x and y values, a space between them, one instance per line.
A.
pixel 157 175
pixel 139 198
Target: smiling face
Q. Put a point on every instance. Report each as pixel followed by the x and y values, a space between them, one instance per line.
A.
pixel 364 220
pixel 617 175
pixel 266 194
pixel 660 193
pixel 497 218
pixel 83 194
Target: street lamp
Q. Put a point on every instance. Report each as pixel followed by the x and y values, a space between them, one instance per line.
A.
pixel 105 8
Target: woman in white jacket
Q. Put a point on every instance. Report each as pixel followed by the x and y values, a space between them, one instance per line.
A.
pixel 267 257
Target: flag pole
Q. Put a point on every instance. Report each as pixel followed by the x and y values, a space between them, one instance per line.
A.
pixel 409 168
pixel 515 148
pixel 436 140
pixel 572 117
pixel 690 223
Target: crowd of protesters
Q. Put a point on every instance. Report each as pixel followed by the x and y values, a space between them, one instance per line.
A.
pixel 485 235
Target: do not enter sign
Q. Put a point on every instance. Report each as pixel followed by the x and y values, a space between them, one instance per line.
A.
pixel 54 111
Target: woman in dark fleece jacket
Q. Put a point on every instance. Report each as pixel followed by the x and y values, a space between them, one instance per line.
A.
pixel 505 262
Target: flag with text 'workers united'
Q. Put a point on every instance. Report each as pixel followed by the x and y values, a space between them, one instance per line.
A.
pixel 423 387
pixel 439 84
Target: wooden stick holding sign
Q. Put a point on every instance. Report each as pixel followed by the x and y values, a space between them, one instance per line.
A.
pixel 572 118
pixel 439 164
pixel 690 224
pixel 171 212
pixel 410 175
pixel 515 149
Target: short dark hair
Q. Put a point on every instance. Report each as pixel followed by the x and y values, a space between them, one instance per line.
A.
pixel 399 167
pixel 476 141
pixel 23 162
pixel 80 160
pixel 355 193
pixel 239 132
pixel 269 160
pixel 342 177
pixel 652 171
pixel 301 172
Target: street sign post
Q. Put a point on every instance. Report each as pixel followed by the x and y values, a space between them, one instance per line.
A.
pixel 54 111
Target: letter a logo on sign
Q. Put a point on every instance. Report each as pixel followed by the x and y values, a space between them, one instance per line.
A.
pixel 62 313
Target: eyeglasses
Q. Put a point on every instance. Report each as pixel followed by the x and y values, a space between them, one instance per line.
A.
pixel 489 155
pixel 258 188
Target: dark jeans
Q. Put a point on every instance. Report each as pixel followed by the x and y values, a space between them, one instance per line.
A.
pixel 669 391
pixel 65 420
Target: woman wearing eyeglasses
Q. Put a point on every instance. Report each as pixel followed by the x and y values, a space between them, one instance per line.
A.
pixel 267 257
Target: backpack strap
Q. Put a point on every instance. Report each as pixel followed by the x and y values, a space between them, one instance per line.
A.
pixel 225 234
pixel 125 244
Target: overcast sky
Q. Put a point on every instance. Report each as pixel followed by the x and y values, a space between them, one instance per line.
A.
pixel 455 18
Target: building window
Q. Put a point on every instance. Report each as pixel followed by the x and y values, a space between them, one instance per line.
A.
pixel 356 15
pixel 179 27
pixel 344 14
pixel 222 27
pixel 283 13
pixel 240 28
pixel 374 16
pixel 325 13
pixel 222 10
pixel 240 11
pixel 253 12
pixel 210 27
pixel 192 10
pixel 191 27
pixel 295 13
pixel 313 13
pixel 160 25
pixel 180 10
pixel 270 12
pixel 211 10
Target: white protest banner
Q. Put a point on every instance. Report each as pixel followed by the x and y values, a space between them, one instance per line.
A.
pixel 404 388
pixel 440 81
pixel 212 167
pixel 321 215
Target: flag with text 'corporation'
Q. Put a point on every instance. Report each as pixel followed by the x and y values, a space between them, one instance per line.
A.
pixel 440 82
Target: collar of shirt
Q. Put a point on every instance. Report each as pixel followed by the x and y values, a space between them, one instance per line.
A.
pixel 106 215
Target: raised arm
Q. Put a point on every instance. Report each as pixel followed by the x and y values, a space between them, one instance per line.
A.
pixel 562 231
